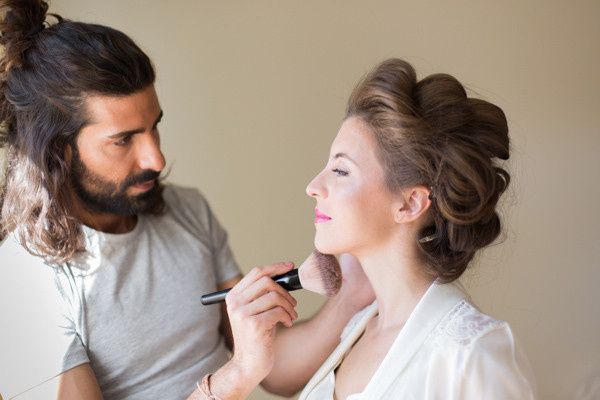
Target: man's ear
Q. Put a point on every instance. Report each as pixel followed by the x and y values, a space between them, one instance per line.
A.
pixel 68 154
pixel 415 202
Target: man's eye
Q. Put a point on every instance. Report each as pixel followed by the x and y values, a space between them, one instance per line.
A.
pixel 340 172
pixel 123 141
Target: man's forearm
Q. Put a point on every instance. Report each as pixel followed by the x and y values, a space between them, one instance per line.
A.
pixel 300 350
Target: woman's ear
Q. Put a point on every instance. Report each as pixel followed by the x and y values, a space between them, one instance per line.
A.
pixel 415 202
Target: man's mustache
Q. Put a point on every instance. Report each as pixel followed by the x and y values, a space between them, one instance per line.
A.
pixel 144 176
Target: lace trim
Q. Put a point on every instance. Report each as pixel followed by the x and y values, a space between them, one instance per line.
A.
pixel 463 324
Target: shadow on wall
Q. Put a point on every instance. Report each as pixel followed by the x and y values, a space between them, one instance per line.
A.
pixel 590 388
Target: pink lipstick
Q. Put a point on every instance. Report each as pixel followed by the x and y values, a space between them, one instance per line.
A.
pixel 320 217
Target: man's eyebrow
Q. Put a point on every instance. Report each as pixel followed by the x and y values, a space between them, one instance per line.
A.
pixel 134 131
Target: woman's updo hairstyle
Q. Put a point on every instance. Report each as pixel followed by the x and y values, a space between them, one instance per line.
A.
pixel 430 133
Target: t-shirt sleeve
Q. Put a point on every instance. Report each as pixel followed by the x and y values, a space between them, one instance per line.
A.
pixel 75 352
pixel 496 368
pixel 225 265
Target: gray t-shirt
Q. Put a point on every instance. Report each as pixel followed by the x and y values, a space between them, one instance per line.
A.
pixel 131 304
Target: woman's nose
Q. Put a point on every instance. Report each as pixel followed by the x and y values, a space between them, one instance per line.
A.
pixel 315 188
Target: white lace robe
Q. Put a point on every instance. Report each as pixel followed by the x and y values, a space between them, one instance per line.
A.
pixel 448 350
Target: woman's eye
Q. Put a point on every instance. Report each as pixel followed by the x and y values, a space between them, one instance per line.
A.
pixel 340 172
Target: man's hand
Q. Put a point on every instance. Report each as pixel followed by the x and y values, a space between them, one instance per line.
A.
pixel 294 365
pixel 255 306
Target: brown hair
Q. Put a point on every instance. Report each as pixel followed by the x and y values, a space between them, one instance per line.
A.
pixel 430 133
pixel 45 73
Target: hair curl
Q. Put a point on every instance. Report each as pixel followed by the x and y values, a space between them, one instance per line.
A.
pixel 46 72
pixel 430 133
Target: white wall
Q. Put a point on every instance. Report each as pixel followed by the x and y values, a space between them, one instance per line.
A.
pixel 254 91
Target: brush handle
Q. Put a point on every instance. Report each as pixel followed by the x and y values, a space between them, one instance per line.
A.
pixel 289 281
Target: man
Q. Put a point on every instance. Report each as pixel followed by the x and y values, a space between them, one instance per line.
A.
pixel 129 256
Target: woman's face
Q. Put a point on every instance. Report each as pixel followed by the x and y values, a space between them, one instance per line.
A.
pixel 355 210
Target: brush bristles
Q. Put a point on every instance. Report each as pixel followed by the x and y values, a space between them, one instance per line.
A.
pixel 321 273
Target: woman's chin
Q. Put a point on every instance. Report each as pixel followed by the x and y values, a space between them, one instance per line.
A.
pixel 327 247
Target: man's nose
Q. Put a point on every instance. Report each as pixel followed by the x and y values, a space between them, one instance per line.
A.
pixel 149 155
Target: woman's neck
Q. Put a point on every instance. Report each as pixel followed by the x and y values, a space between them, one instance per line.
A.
pixel 398 279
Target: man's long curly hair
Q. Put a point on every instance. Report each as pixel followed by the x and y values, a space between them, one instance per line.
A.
pixel 46 72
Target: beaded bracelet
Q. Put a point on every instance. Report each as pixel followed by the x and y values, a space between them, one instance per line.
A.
pixel 205 388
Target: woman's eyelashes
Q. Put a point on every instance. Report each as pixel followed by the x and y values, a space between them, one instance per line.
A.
pixel 340 172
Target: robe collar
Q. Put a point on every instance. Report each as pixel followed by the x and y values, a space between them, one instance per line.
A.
pixel 435 304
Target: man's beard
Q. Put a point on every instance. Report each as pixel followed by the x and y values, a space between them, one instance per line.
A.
pixel 102 196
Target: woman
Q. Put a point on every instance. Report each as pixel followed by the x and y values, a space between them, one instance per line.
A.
pixel 410 189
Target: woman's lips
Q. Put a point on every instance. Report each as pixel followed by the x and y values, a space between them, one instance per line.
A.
pixel 320 217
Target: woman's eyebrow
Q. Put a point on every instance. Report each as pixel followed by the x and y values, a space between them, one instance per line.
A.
pixel 343 155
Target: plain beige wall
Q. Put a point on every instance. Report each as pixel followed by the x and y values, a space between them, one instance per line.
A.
pixel 254 92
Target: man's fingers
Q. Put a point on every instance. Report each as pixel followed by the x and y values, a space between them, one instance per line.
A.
pixel 271 317
pixel 262 286
pixel 269 301
pixel 258 272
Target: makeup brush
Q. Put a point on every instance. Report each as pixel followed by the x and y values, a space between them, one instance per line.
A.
pixel 319 273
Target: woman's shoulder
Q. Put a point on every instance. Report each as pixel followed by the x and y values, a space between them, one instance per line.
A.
pixel 465 325
pixel 493 365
